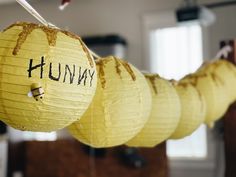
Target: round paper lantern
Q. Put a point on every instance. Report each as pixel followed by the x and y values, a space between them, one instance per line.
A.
pixel 165 114
pixel 193 110
pixel 212 89
pixel 48 78
pixel 225 71
pixel 120 108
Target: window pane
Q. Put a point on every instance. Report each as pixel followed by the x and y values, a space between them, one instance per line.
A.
pixel 193 146
pixel 39 136
pixel 176 51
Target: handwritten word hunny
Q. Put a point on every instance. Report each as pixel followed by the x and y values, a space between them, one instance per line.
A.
pixel 71 74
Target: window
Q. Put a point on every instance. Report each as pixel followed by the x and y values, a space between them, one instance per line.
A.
pixel 17 135
pixel 39 136
pixel 194 146
pixel 176 51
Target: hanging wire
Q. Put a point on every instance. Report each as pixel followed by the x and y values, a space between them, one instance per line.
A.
pixel 32 11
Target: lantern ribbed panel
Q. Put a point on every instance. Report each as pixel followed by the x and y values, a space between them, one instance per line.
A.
pixel 226 71
pixel 165 114
pixel 212 89
pixel 63 102
pixel 120 108
pixel 193 110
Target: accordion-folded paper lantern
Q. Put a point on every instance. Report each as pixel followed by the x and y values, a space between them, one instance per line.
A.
pixel 120 108
pixel 48 78
pixel 193 110
pixel 225 71
pixel 212 89
pixel 165 114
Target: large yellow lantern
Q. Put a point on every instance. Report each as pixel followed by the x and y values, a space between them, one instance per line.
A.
pixel 193 110
pixel 225 71
pixel 212 89
pixel 47 77
pixel 120 108
pixel 165 114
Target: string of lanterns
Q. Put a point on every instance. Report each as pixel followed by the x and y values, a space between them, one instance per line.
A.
pixel 49 80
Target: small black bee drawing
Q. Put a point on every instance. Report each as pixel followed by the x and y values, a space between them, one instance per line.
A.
pixel 36 91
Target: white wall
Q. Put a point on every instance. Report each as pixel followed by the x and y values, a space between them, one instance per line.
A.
pixel 89 17
pixel 224 28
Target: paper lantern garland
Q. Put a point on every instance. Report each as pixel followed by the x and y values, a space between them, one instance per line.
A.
pixel 120 108
pixel 165 114
pixel 224 70
pixel 48 80
pixel 212 89
pixel 47 77
pixel 193 110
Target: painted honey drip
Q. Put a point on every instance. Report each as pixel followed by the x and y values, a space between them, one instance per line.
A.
pixel 152 79
pixel 51 34
pixel 128 69
pixel 22 37
pixel 173 82
pixel 185 85
pixel 101 72
pixel 217 79
pixel 201 99
pixel 193 79
pixel 118 63
pixel 118 70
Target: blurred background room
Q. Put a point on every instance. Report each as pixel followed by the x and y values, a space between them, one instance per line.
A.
pixel 170 37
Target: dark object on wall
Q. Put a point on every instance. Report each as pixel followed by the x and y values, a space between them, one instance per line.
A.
pixel 95 152
pixel 220 4
pixel 232 55
pixel 107 45
pixel 188 14
pixel 67 158
pixel 230 123
pixel 3 128
pixel 104 40
pixel 132 158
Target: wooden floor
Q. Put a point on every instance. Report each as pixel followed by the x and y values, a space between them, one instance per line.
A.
pixel 68 158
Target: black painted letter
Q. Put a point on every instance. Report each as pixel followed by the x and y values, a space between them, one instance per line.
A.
pixel 82 76
pixel 31 67
pixel 72 75
pixel 59 73
pixel 91 76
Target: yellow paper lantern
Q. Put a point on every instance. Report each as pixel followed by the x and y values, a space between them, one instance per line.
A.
pixel 120 108
pixel 225 71
pixel 165 114
pixel 212 89
pixel 193 110
pixel 47 77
